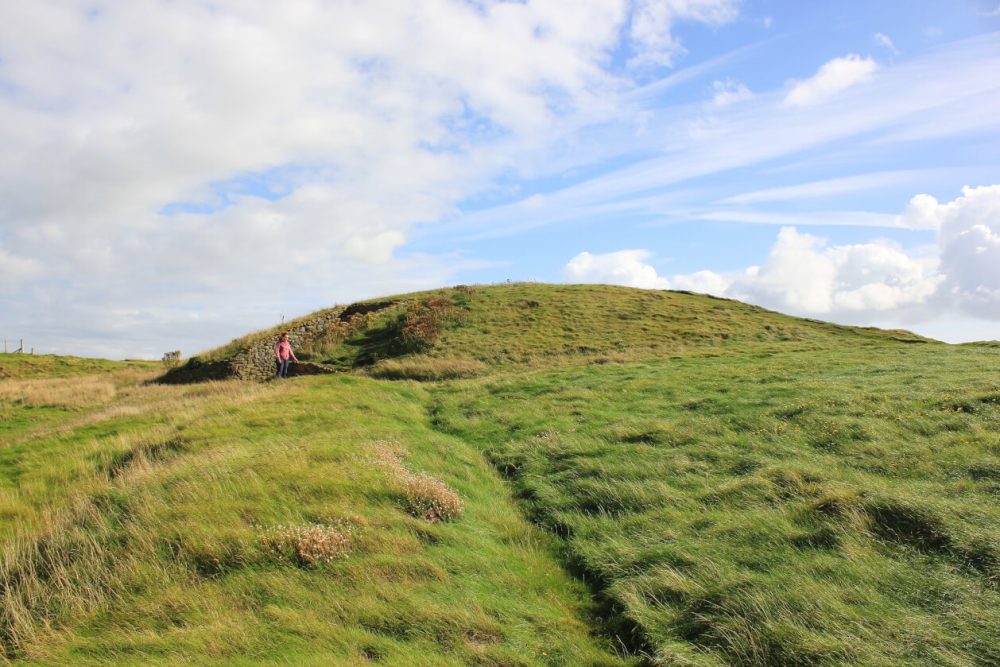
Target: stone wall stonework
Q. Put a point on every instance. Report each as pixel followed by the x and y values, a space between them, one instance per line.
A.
pixel 257 362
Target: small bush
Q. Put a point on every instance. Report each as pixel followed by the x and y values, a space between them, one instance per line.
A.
pixel 171 359
pixel 419 327
pixel 425 368
pixel 309 545
pixel 429 498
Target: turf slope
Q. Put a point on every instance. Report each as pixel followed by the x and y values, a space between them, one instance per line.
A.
pixel 647 477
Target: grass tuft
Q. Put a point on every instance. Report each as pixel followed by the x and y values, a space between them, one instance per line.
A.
pixel 309 545
pixel 431 499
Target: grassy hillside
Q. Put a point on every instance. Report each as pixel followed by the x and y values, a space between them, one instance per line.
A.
pixel 767 509
pixel 646 478
pixel 530 324
pixel 141 528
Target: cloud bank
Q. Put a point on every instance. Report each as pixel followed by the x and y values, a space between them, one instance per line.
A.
pixel 805 275
pixel 171 169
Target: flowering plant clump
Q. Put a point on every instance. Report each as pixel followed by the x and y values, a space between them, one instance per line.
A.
pixel 309 545
pixel 429 498
pixel 425 496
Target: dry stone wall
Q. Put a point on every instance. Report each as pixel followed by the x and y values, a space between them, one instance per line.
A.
pixel 257 362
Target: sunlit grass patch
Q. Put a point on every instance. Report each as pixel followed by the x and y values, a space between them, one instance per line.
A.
pixel 426 368
pixel 787 512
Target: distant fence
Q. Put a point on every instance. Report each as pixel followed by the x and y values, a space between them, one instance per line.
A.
pixel 19 350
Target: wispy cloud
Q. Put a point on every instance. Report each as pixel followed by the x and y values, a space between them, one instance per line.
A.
pixel 884 41
pixel 651 26
pixel 952 85
pixel 826 218
pixel 834 186
pixel 832 78
pixel 729 92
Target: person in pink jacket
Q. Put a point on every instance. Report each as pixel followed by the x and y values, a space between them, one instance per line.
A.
pixel 284 354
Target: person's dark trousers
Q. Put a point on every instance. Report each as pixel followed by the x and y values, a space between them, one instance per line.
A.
pixel 283 368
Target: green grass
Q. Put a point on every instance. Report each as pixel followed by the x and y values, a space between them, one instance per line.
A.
pixel 647 478
pixel 21 366
pixel 155 553
pixel 793 508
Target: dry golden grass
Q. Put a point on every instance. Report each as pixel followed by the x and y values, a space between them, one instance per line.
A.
pixel 70 392
pixel 426 368
pixel 61 568
pixel 178 403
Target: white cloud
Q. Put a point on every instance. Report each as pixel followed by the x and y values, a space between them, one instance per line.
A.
pixel 625 267
pixel 804 275
pixel 630 268
pixel 652 24
pixel 705 282
pixel 969 240
pixel 364 119
pixel 923 212
pixel 833 77
pixel 729 92
pixel 886 43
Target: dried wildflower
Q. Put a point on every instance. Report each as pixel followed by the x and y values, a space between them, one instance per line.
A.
pixel 309 545
pixel 425 496
pixel 429 498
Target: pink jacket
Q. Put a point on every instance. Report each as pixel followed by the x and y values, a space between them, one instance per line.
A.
pixel 283 350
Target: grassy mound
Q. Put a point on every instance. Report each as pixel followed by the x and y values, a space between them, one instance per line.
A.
pixel 530 324
pixel 595 476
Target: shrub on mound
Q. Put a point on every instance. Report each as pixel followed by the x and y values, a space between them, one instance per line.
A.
pixel 426 368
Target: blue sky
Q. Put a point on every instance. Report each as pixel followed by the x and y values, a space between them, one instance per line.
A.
pixel 175 174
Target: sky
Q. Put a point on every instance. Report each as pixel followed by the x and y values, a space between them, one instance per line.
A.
pixel 176 174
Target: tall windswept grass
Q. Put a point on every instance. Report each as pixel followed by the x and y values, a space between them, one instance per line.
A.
pixel 64 568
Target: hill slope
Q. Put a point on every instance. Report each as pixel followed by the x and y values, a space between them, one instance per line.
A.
pixel 647 478
pixel 526 324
